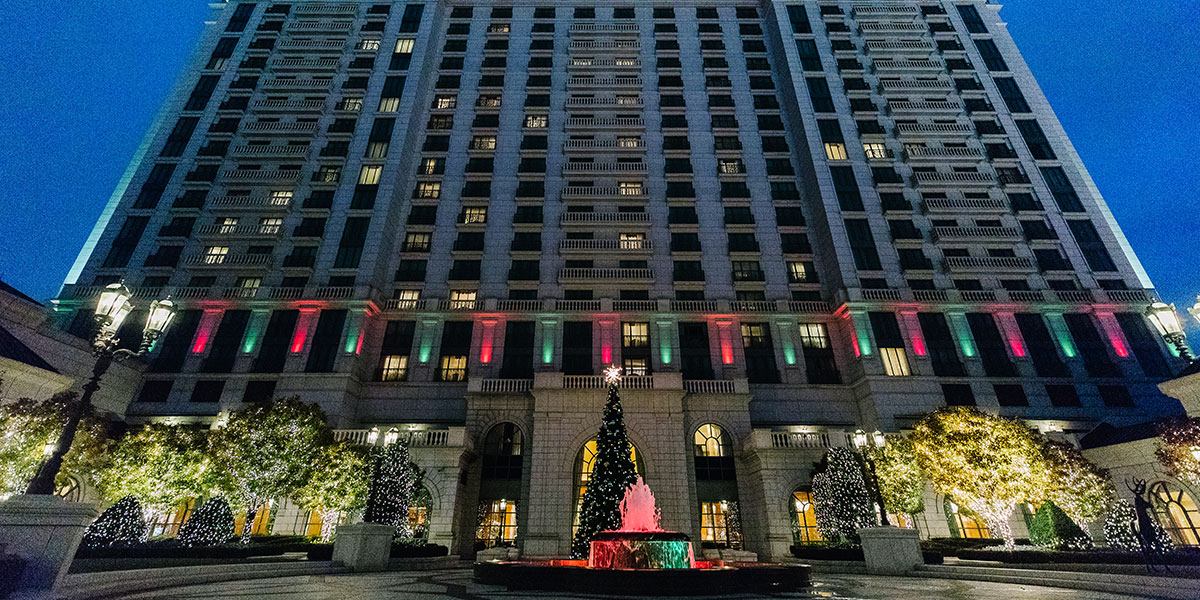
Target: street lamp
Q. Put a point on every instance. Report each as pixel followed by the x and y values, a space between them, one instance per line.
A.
pixel 391 436
pixel 1195 309
pixel 111 309
pixel 1164 318
pixel 864 443
pixel 373 436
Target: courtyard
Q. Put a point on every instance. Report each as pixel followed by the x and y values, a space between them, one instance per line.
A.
pixel 457 583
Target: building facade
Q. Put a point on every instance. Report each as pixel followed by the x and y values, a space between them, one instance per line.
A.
pixel 785 220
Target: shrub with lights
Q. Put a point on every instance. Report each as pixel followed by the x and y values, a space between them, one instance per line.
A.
pixel 28 431
pixel 1179 448
pixel 840 498
pixel 163 466
pixel 1054 529
pixel 612 471
pixel 901 481
pixel 1119 522
pixel 984 462
pixel 211 525
pixel 1077 486
pixel 392 485
pixel 265 451
pixel 337 484
pixel 121 523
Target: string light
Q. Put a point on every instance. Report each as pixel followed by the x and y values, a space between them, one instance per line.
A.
pixel 121 523
pixel 212 524
pixel 840 499
pixel 1179 448
pixel 612 472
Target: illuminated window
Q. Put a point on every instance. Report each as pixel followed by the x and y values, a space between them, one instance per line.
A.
pixel 369 175
pixel 489 101
pixel 394 368
pixel 629 142
pixel 389 104
pixel 732 166
pixel 405 45
pixel 710 441
pixel 582 61
pixel 1177 513
pixel 462 299
pixel 755 335
pixel 635 335
pixel 715 524
pixel 445 101
pixel 835 151
pixel 327 174
pixel 629 100
pixel 429 189
pixel 280 198
pixel 473 215
pixel 432 166
pixel 635 367
pixel 585 461
pixel 350 104
pixel 215 255
pixel 498 28
pixel 417 242
pixel 875 150
pixel 630 188
pixel 626 62
pixel 269 225
pixel 453 368
pixel 797 272
pixel 377 149
pixel 169 523
pixel 537 121
pixel 967 524
pixel 367 45
pixel 407 299
pixel 419 513
pixel 249 283
pixel 895 362
pixel 804 519
pixel 226 225
pixel 483 142
pixel 633 241
pixel 814 335
pixel 497 524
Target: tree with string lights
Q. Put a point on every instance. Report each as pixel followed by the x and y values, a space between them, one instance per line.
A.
pixel 1179 448
pixel 28 433
pixel 212 524
pixel 393 482
pixel 265 452
pixel 901 480
pixel 984 462
pixel 121 523
pixel 841 501
pixel 337 484
pixel 161 465
pixel 1078 487
pixel 612 471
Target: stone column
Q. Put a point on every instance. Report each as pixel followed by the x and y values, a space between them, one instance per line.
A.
pixel 45 531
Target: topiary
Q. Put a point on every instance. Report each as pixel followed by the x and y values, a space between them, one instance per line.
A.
pixel 1118 526
pixel 210 525
pixel 121 523
pixel 1052 528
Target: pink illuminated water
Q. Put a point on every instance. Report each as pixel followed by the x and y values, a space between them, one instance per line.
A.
pixel 638 512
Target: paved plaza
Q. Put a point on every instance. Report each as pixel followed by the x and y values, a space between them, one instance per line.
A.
pixel 457 584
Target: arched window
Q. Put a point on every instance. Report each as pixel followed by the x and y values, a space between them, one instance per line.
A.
pixel 419 513
pixel 804 517
pixel 585 461
pixel 964 523
pixel 1177 513
pixel 502 452
pixel 713 454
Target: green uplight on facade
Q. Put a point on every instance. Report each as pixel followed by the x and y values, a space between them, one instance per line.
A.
pixel 963 333
pixel 352 336
pixel 547 342
pixel 254 331
pixel 1062 334
pixel 664 345
pixel 862 333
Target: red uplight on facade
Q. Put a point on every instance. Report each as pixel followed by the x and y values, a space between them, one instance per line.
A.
pixel 606 343
pixel 726 338
pixel 300 336
pixel 208 322
pixel 485 348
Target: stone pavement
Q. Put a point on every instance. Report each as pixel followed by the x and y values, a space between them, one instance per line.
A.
pixel 457 584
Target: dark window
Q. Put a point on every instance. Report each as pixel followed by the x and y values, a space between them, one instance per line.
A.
pixel 518 350
pixel 410 22
pixel 125 243
pixel 695 358
pixel 155 390
pixel 1035 138
pixel 1062 190
pixel 224 346
pixel 940 343
pixel 1041 346
pixel 1063 395
pixel 991 55
pixel 818 92
pixel 991 345
pixel 207 390
pixel 152 189
pixel 862 244
pixel 971 18
pixel 577 348
pixel 1010 394
pixel 326 339
pixel 1091 346
pixel 799 19
pixel 259 390
pixel 179 136
pixel 760 353
pixel 1089 241
pixel 175 344
pixel 958 394
pixel 241 15
pixel 354 236
pixel 276 342
pixel 1144 344
pixel 1011 93
pixel 1115 396
pixel 846 187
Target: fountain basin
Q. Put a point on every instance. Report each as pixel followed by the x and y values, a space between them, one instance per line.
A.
pixel 574 577
pixel 641 550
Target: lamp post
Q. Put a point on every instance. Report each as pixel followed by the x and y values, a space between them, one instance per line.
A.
pixel 1167 322
pixel 864 443
pixel 111 309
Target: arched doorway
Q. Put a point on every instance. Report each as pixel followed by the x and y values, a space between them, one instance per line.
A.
pixel 585 461
pixel 804 517
pixel 419 513
pixel 499 486
pixel 716 487
pixel 1177 512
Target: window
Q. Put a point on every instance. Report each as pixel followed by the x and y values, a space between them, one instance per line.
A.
pixel 862 244
pixel 971 18
pixel 585 462
pixel 1177 513
pixel 891 343
pixel 215 255
pixel 1092 246
pixel 497 524
pixel 502 456
pixel 965 523
pixel 845 186
pixel 760 353
pixel 818 92
pixel 1011 93
pixel 992 348
pixel 804 517
pixel 958 394
pixel 483 142
pixel 453 368
pixel 393 368
pixel 473 215
pixel 875 150
pixel 428 189
pixel 462 299
pixel 445 101
pixel 635 335
pixel 940 344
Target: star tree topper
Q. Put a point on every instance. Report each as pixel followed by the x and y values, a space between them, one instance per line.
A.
pixel 612 375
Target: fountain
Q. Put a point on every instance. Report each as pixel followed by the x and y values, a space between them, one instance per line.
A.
pixel 640 543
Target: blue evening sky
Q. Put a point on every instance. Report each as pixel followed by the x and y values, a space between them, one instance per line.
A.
pixel 82 80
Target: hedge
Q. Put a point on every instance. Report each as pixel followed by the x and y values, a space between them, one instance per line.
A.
pixel 813 552
pixel 1179 557
pixel 399 550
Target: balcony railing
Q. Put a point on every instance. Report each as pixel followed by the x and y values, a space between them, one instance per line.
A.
pixel 321 26
pixel 900 46
pixel 604 28
pixel 228 260
pixel 957 178
pixel 604 167
pixel 606 245
pixel 884 11
pixel 617 122
pixel 327 8
pixel 250 202
pixel 901 64
pixel 924 106
pixel 604 273
pixel 313 45
pixel 964 204
pixel 270 150
pixel 989 263
pixel 610 145
pixel 605 217
pixel 314 106
pixel 420 438
pixel 932 129
pixel 597 382
pixel 280 127
pixel 587 191
pixel 301 84
pixel 614 44
pixel 604 82
pixel 266 175
pixel 1011 234
pixel 240 231
pixel 890 28
pixel 942 153
pixel 604 101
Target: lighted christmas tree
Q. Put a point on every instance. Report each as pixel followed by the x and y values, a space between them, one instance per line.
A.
pixel 120 523
pixel 390 491
pixel 210 525
pixel 1077 486
pixel 840 499
pixel 1118 526
pixel 612 472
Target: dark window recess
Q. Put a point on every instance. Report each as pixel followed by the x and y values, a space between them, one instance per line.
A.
pixel 1062 190
pixel 940 343
pixel 991 345
pixel 173 347
pixel 259 390
pixel 354 236
pixel 991 55
pixel 125 243
pixel 760 353
pixel 1063 395
pixel 152 189
pixel 155 390
pixel 577 348
pixel 862 244
pixel 971 18
pixel 397 342
pixel 410 21
pixel 207 390
pixel 178 138
pixel 241 16
pixel 326 339
pixel 224 346
pixel 201 94
pixel 818 92
pixel 1092 348
pixel 276 342
pixel 1041 346
pixel 1145 345
pixel 1115 396
pixel 518 350
pixel 1010 394
pixel 694 357
pixel 845 186
pixel 1011 93
pixel 819 364
pixel 1036 140
pixel 1092 246
pixel 958 394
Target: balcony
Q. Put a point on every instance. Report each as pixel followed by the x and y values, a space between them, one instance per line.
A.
pixel 954 179
pixel 453 437
pixel 976 264
pixel 977 234
pixel 934 129
pixel 600 245
pixel 603 167
pixel 890 28
pixel 764 438
pixel 345 9
pixel 272 151
pixel 608 145
pixel 240 231
pixel 306 84
pixel 893 46
pixel 887 65
pixel 291 106
pixel 632 45
pixel 604 101
pixel 261 175
pixel 604 217
pixel 331 46
pixel 605 82
pixel 604 63
pixel 596 274
pixel 938 154
pixel 287 63
pixel 281 127
pixel 228 260
pixel 602 192
pixel 250 203
pixel 499 386
pixel 319 26
pixel 924 107
pixel 960 205
pixel 605 122
pixel 914 85
pixel 604 28
pixel 884 11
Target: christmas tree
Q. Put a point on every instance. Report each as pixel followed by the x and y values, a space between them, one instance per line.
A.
pixel 391 488
pixel 612 472
pixel 840 498
pixel 121 523
pixel 1118 526
pixel 1052 528
pixel 210 525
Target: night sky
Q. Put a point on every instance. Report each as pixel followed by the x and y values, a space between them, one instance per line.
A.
pixel 82 81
